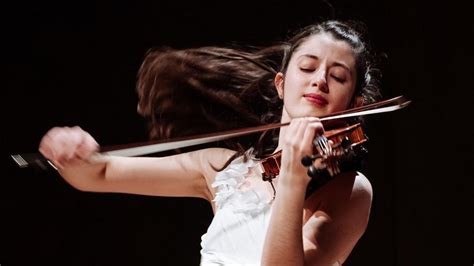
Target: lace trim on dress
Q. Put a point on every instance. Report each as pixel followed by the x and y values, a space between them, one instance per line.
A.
pixel 228 182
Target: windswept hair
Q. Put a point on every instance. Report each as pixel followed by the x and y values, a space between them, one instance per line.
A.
pixel 211 89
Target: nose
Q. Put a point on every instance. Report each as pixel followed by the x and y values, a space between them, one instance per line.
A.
pixel 319 80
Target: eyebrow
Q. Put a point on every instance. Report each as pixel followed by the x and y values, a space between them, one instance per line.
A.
pixel 335 63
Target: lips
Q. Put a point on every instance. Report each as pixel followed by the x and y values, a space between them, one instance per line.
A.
pixel 315 99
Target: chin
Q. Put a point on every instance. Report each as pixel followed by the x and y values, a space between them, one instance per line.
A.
pixel 317 111
pixel 312 113
pixel 306 111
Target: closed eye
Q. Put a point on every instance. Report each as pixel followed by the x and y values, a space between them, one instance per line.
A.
pixel 307 69
pixel 338 79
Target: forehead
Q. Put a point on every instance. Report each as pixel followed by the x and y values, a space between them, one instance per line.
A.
pixel 323 45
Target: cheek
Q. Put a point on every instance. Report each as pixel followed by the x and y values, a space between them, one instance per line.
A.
pixel 293 84
pixel 342 98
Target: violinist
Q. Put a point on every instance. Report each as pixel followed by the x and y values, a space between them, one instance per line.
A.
pixel 322 69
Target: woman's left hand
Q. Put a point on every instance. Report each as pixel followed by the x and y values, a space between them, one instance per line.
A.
pixel 297 143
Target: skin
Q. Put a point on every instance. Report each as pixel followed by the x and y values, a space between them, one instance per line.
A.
pixel 323 66
pixel 321 230
pixel 335 216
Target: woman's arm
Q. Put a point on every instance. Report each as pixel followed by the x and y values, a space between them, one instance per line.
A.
pixel 187 174
pixel 284 239
pixel 324 229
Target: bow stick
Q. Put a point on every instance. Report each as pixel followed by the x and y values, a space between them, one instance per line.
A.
pixel 139 149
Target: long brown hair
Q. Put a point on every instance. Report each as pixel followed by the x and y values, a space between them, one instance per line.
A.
pixel 211 89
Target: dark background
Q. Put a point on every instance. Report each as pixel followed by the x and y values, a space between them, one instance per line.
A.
pixel 75 63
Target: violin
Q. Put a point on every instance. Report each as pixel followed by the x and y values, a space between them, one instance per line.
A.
pixel 337 150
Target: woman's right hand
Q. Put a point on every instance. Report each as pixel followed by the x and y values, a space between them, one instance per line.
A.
pixel 68 146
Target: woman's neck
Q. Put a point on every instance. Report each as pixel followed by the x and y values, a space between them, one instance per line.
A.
pixel 285 118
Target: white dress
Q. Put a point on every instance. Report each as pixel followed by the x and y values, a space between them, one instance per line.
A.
pixel 237 232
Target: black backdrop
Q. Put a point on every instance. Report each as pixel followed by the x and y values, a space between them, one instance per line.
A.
pixel 75 64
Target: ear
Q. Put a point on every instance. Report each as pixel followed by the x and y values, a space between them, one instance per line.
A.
pixel 357 101
pixel 279 84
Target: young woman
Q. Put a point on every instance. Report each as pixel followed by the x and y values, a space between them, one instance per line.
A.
pixel 325 68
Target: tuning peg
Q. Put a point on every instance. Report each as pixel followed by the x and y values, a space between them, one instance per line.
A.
pixel 314 172
pixel 308 160
pixel 268 177
pixel 346 143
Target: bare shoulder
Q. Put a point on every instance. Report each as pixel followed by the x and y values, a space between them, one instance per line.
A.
pixel 216 156
pixel 347 192
pixel 361 190
pixel 358 197
pixel 211 160
pixel 336 216
pixel 357 183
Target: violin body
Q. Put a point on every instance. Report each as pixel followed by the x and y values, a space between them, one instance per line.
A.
pixel 346 153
